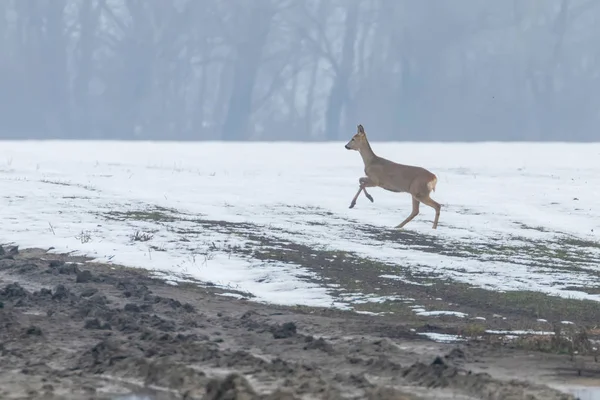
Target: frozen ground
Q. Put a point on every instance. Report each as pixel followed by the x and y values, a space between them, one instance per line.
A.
pixel 244 216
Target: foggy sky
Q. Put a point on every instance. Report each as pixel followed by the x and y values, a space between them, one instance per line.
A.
pixel 300 70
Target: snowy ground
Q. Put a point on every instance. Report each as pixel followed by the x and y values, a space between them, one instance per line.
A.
pixel 514 216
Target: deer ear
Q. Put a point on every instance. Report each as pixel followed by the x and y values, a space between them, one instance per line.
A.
pixel 360 129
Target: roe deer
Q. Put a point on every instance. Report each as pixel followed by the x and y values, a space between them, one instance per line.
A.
pixel 394 177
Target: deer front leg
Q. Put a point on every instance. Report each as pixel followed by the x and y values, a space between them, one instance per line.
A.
pixel 364 183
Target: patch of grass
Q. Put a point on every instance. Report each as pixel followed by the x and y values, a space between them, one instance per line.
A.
pixel 62 183
pixel 154 214
pixel 572 341
pixel 581 243
pixel 139 236
pixel 523 304
pixel 472 330
pixel 561 252
pixel 533 228
pixel 355 274
pixel 588 289
pixel 84 236
pixel 56 182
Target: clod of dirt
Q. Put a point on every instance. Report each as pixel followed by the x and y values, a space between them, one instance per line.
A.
pixel 48 387
pixel 13 291
pixel 130 307
pixel 438 361
pixel 385 393
pixel 105 355
pixel 131 289
pixel 125 324
pixel 280 395
pixel 171 374
pixel 284 331
pixel 94 323
pixel 56 263
pixel 380 363
pixel 61 293
pixel 33 330
pixel 455 354
pixel 318 344
pixel 175 304
pixel 232 387
pixel 68 269
pixel 13 251
pixel 248 314
pixel 88 292
pixel 83 276
pixel 43 293
pixel 26 267
pixel 99 299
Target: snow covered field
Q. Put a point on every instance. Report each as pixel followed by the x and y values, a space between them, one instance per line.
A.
pixel 514 216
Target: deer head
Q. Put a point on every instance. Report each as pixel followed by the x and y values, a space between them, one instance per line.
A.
pixel 357 140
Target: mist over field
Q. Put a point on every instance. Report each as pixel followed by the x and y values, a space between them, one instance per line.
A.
pixel 300 70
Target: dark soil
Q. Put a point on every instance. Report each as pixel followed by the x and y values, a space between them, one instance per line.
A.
pixel 71 329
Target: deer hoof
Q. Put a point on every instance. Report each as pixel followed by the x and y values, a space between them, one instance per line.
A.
pixel 370 198
pixel 352 205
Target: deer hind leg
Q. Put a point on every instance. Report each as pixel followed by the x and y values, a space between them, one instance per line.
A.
pixel 414 213
pixel 435 205
pixel 364 183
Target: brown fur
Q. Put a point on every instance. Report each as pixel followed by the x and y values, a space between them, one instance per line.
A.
pixel 394 177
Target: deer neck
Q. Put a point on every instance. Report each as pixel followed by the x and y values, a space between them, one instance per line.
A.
pixel 367 153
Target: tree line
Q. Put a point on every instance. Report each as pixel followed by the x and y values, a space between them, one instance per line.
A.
pixel 300 69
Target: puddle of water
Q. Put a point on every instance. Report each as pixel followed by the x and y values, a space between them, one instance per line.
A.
pixel 582 392
pixel 586 393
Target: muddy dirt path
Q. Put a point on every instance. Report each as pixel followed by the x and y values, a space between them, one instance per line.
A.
pixel 71 329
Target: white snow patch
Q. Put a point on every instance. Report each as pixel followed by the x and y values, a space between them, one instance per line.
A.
pixel 519 332
pixel 367 312
pixel 61 193
pixel 234 295
pixel 402 279
pixel 441 337
pixel 436 313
